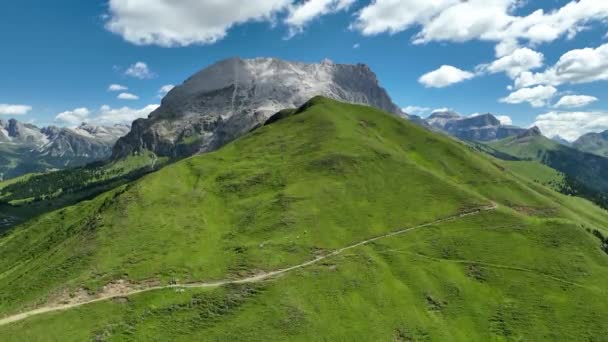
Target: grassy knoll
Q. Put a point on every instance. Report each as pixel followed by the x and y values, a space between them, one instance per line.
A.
pixel 322 178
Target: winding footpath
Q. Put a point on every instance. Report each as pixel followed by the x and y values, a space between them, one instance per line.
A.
pixel 252 279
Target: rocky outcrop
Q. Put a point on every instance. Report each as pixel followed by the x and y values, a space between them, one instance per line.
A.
pixel 229 98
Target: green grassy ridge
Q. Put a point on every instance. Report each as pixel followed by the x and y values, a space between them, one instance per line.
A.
pixel 596 143
pixel 330 176
pixel 457 281
pixel 585 168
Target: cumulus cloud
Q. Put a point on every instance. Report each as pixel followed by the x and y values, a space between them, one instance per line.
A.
pixel 575 101
pixel 127 96
pixel 571 125
pixel 140 70
pixel 13 109
pixel 117 87
pixel 125 115
pixel 106 115
pixel 440 110
pixel 505 119
pixel 303 13
pixel 445 76
pixel 513 64
pixel 73 117
pixel 165 89
pixel 185 22
pixel 416 110
pixel 487 20
pixel 537 96
pixel 575 66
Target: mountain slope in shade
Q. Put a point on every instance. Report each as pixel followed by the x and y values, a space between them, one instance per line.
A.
pixel 596 143
pixel 26 148
pixel 485 127
pixel 313 181
pixel 586 169
pixel 229 98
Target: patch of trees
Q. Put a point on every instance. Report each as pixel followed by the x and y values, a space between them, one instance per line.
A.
pixel 602 238
pixel 59 183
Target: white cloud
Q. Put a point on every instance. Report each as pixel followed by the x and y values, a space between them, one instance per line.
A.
pixel 165 89
pixel 505 119
pixel 440 110
pixel 12 109
pixel 127 96
pixel 305 12
pixel 125 115
pixel 445 76
pixel 73 117
pixel 576 66
pixel 513 64
pixel 394 16
pixel 140 70
pixel 105 115
pixel 185 22
pixel 487 20
pixel 575 101
pixel 571 125
pixel 415 110
pixel 537 96
pixel 356 46
pixel 117 87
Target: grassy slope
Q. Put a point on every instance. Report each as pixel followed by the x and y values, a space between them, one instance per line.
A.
pixel 586 168
pixel 537 172
pixel 322 179
pixel 595 143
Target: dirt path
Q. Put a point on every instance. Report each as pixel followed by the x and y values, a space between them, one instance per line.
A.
pixel 498 266
pixel 251 279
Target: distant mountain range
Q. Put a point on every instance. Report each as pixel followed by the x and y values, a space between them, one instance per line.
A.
pixel 485 127
pixel 229 99
pixel 27 148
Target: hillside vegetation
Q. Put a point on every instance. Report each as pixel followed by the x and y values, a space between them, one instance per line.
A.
pixel 30 195
pixel 316 180
pixel 585 173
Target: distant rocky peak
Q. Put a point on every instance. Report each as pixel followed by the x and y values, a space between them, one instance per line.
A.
pixel 483 120
pixel 531 132
pixel 444 114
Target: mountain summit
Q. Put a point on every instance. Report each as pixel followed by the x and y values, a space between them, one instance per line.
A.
pixel 229 98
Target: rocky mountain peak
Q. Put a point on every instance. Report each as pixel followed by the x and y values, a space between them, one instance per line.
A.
pixel 444 114
pixel 230 97
pixel 531 132
pixel 485 127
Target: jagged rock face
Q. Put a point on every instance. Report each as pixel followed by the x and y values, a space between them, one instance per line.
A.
pixel 484 127
pixel 229 98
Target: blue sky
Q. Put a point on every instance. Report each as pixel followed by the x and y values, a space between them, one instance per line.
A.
pixel 59 56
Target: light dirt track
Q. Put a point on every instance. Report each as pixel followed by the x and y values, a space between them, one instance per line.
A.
pixel 251 279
